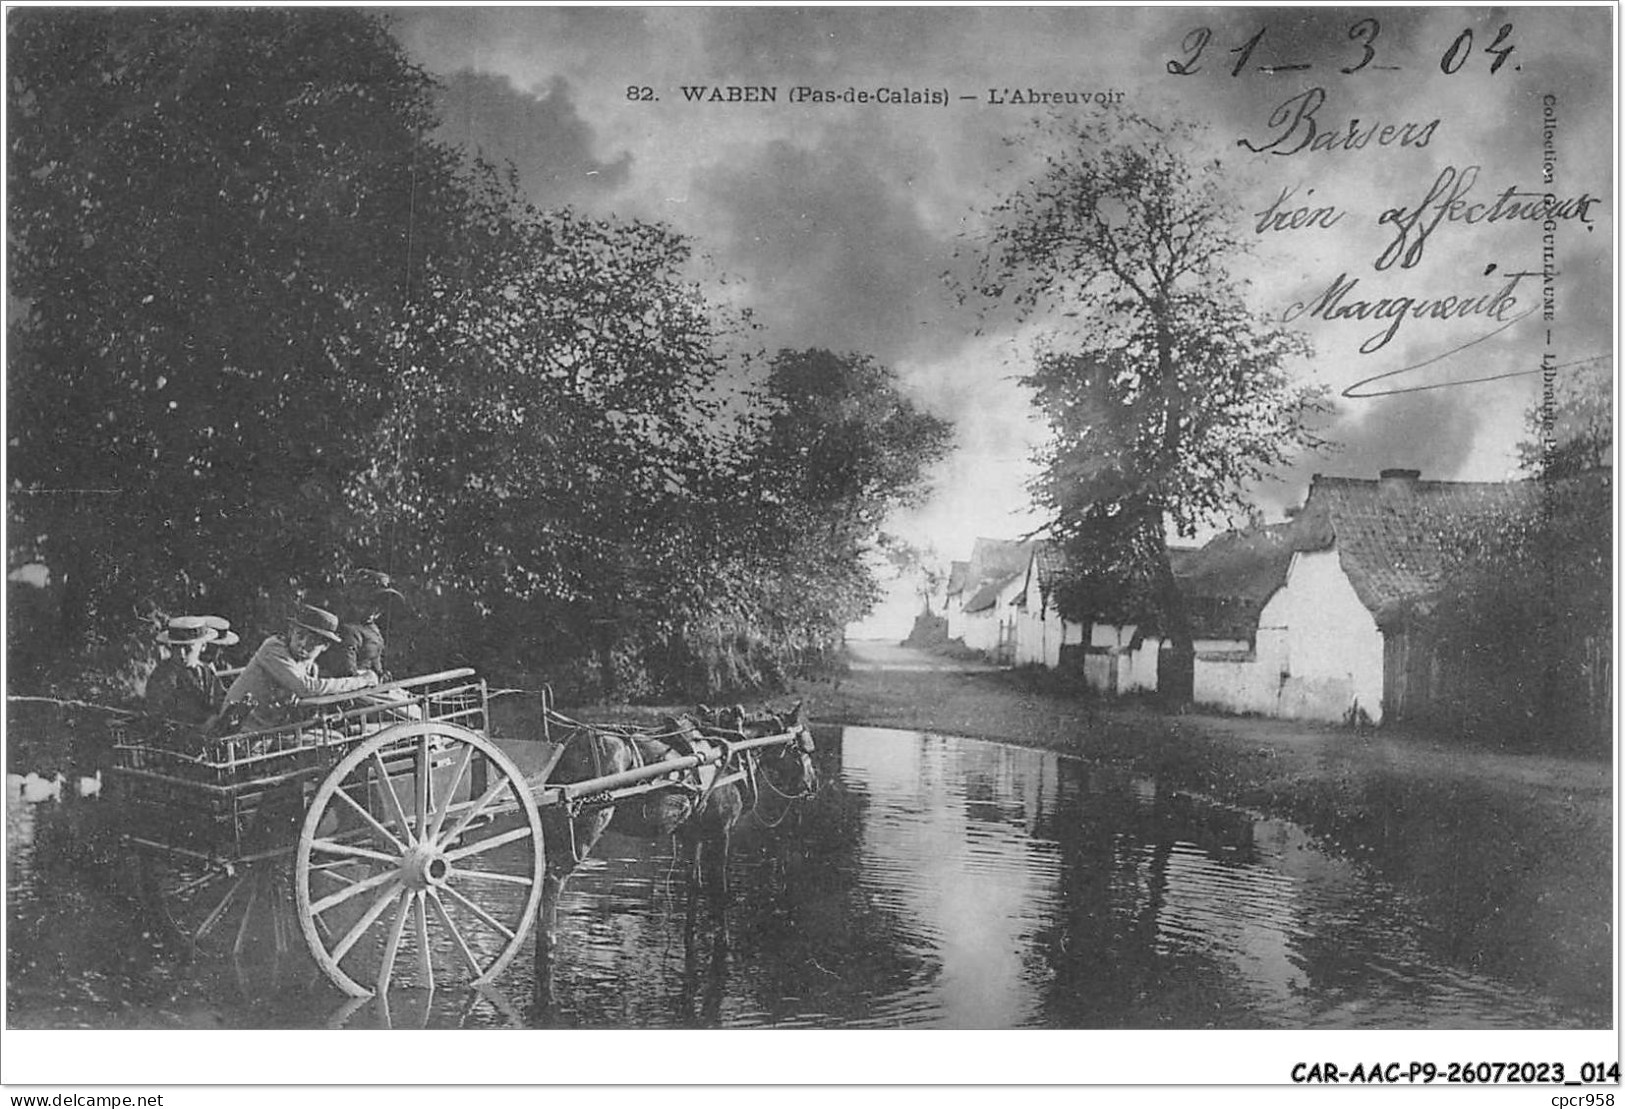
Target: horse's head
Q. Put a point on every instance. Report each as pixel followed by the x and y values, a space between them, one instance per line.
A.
pixel 789 769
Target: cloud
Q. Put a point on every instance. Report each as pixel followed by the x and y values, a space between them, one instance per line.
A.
pixel 542 136
pixel 1433 432
pixel 839 221
pixel 835 252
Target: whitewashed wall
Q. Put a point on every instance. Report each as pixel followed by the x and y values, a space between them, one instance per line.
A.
pixel 1236 684
pixel 1040 635
pixel 1114 666
pixel 1318 653
pixel 1137 669
pixel 952 608
pixel 981 629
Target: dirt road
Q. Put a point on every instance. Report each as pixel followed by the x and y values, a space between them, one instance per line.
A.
pixel 1513 850
pixel 874 654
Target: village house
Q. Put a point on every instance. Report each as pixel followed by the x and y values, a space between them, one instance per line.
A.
pixel 1224 585
pixel 1040 631
pixel 1324 617
pixel 994 577
pixel 1346 636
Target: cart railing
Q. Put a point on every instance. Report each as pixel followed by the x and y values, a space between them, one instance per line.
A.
pixel 211 797
pixel 445 697
pixel 334 718
pixel 401 684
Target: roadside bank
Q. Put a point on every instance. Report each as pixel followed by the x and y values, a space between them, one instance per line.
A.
pixel 1510 854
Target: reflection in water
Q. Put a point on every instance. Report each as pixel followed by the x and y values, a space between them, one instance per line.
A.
pixel 936 882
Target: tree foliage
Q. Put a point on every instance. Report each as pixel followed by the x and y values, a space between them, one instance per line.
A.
pixel 1572 431
pixel 209 220
pixel 1165 395
pixel 1525 615
pixel 838 447
pixel 271 329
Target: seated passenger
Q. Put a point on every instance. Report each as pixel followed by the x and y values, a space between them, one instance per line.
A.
pixel 361 643
pixel 283 670
pixel 223 637
pixel 182 687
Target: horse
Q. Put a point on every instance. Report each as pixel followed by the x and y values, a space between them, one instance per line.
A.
pixel 701 807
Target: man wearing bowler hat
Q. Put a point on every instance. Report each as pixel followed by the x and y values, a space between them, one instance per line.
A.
pixel 284 669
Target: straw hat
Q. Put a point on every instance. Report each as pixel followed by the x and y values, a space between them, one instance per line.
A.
pixel 223 635
pixel 183 631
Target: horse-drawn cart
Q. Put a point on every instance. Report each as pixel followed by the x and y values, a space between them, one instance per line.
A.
pixel 403 838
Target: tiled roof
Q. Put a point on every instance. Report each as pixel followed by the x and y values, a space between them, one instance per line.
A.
pixel 993 563
pixel 998 558
pixel 988 595
pixel 1227 582
pixel 1051 563
pixel 1048 565
pixel 958 571
pixel 1387 532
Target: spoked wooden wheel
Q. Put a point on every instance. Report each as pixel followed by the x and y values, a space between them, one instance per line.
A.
pixel 420 862
pixel 245 911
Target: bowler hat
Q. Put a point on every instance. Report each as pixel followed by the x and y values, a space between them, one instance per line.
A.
pixel 369 585
pixel 318 621
pixel 368 591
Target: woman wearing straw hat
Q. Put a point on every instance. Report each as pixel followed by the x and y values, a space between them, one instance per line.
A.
pixel 213 651
pixel 182 688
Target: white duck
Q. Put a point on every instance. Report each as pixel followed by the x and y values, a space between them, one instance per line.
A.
pixel 37 789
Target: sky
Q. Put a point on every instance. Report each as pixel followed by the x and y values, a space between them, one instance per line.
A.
pixel 836 223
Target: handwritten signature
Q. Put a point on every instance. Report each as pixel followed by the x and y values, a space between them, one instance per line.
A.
pixel 1332 304
pixel 1361 389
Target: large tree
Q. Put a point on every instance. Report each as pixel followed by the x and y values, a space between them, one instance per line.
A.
pixel 268 330
pixel 799 521
pixel 1166 396
pixel 556 427
pixel 211 218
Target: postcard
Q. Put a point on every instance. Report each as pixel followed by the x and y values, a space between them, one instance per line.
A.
pixel 1082 529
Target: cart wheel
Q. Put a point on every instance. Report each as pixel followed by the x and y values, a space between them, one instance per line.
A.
pixel 245 911
pixel 403 875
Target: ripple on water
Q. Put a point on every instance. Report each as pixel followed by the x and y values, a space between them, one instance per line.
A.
pixel 935 882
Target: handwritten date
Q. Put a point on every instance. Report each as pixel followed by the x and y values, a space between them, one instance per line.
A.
pixel 1363 33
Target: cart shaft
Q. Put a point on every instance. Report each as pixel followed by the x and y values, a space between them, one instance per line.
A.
pixel 569 791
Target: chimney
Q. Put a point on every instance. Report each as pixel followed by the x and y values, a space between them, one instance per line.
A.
pixel 1398 483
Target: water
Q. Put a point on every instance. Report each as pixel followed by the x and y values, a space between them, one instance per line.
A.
pixel 935 882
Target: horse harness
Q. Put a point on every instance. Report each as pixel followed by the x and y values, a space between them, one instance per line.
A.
pixel 700 782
